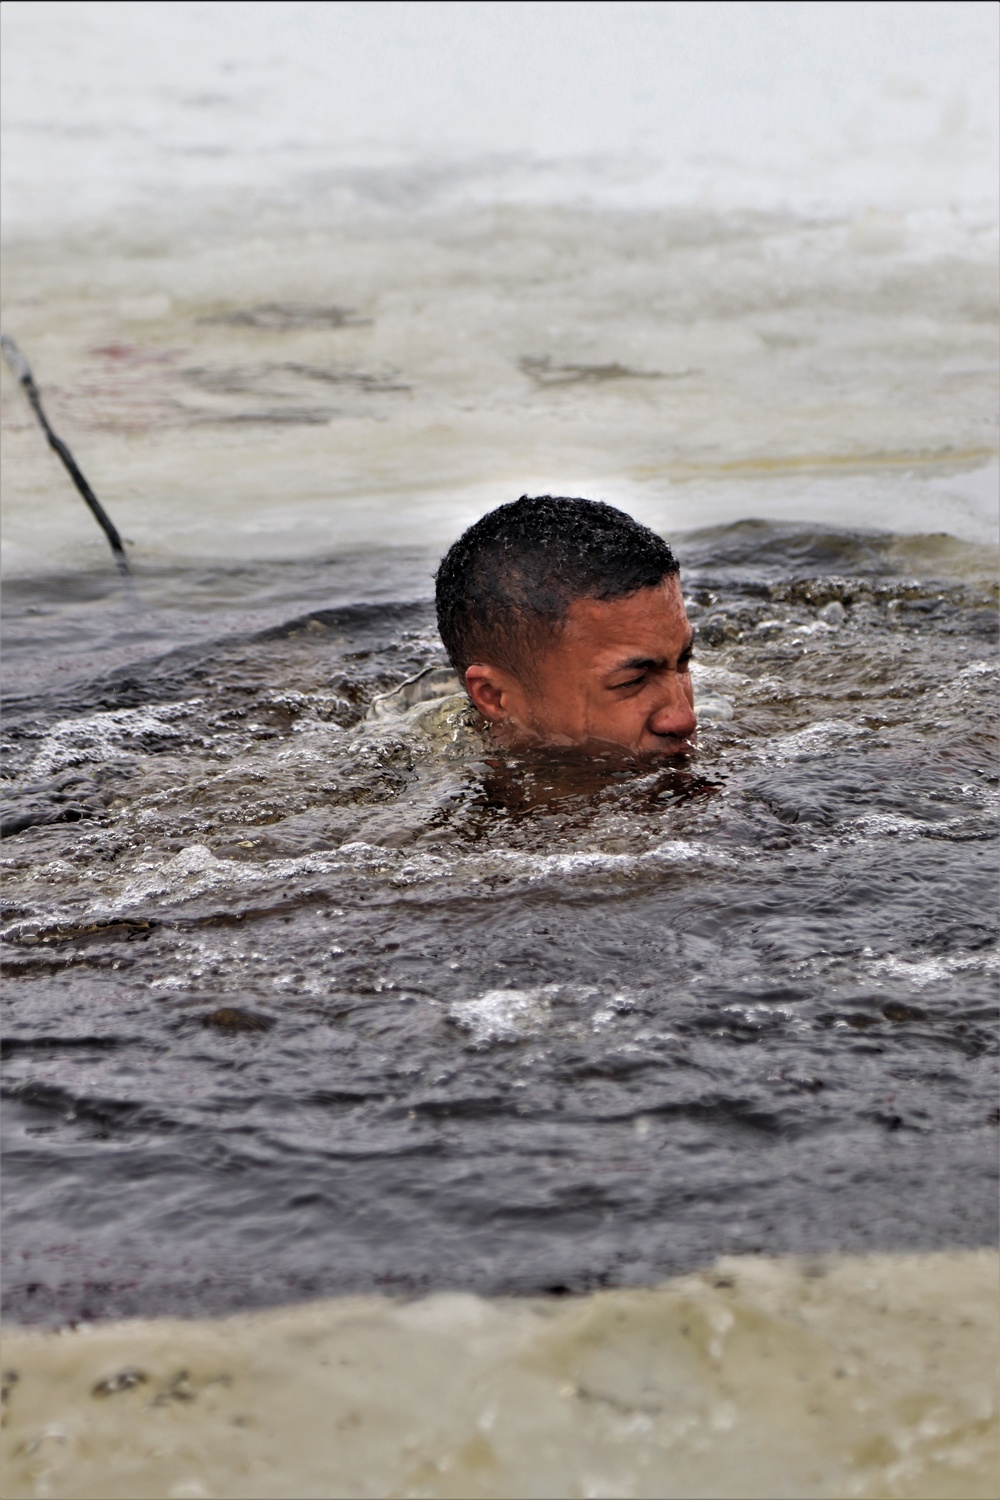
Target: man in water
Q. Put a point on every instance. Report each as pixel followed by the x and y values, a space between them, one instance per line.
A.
pixel 565 622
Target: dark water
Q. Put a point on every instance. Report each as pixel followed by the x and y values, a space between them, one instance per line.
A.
pixel 299 1002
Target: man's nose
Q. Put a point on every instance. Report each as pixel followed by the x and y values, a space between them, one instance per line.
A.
pixel 675 716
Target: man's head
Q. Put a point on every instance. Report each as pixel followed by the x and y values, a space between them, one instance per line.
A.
pixel 565 620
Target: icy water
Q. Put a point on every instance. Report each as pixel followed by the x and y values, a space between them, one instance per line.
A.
pixel 311 992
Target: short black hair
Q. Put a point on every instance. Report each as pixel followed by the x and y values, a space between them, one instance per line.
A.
pixel 507 583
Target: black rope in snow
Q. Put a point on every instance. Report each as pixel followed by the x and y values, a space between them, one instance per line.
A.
pixel 22 371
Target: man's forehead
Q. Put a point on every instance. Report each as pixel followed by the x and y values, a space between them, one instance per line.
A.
pixel 649 623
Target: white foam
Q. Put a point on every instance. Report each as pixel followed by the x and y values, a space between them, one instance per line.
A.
pixel 115 735
pixel 504 1015
pixel 879 824
pixel 712 708
pixel 814 739
pixel 196 870
pixel 926 971
pixel 980 669
pixel 675 853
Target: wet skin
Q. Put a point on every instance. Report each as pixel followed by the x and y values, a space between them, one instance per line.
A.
pixel 617 675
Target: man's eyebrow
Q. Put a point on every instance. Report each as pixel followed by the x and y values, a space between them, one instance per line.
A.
pixel 652 663
pixel 640 664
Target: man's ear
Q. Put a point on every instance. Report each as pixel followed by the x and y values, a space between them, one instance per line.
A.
pixel 489 689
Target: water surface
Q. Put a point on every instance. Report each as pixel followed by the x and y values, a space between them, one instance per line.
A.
pixel 303 1000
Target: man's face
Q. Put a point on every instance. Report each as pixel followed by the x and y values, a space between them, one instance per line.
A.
pixel 618 674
